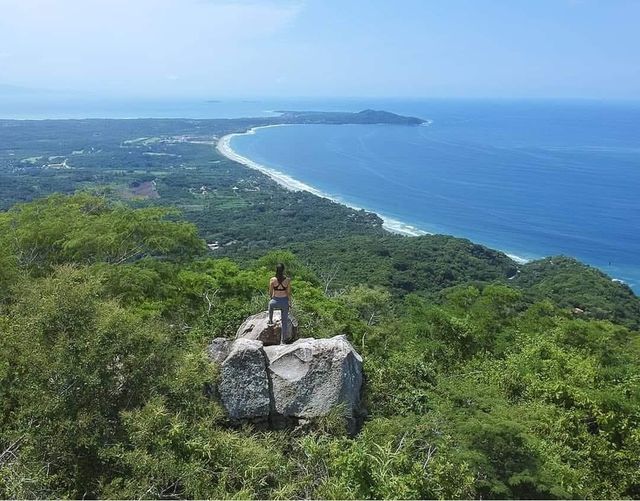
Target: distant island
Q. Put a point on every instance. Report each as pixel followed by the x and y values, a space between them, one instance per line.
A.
pixel 342 117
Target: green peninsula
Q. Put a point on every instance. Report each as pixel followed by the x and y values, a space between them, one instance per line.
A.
pixel 338 118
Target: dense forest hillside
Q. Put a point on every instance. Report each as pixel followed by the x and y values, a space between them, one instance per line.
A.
pixel 484 378
pixel 484 392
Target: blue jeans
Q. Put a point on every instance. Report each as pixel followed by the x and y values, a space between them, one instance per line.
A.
pixel 282 304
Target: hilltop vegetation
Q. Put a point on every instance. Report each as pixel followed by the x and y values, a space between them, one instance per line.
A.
pixel 571 284
pixel 474 389
pixel 483 380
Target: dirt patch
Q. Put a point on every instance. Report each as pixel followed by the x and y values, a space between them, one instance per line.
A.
pixel 143 189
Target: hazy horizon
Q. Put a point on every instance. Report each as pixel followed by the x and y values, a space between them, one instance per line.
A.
pixel 268 49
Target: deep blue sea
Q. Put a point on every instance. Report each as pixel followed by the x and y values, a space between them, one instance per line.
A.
pixel 531 178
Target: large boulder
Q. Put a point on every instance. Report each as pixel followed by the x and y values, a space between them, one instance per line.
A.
pixel 244 385
pixel 257 328
pixel 312 376
pixel 303 380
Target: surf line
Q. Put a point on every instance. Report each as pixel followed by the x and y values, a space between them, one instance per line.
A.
pixel 224 147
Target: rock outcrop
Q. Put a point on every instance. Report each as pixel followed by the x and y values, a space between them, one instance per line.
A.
pixel 303 380
pixel 244 385
pixel 257 328
pixel 312 376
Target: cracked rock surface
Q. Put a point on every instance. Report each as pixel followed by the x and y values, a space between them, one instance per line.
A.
pixel 244 385
pixel 303 380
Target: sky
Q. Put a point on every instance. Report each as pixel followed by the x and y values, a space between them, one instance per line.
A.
pixel 323 48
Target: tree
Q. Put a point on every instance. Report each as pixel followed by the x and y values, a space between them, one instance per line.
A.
pixel 84 229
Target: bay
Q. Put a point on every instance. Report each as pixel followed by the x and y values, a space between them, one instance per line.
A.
pixel 531 178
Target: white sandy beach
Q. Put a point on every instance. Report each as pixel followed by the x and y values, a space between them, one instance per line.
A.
pixel 224 147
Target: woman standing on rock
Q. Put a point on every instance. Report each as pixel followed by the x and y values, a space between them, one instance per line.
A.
pixel 280 294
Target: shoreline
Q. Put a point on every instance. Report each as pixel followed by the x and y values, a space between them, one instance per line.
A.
pixel 389 224
pixel 289 183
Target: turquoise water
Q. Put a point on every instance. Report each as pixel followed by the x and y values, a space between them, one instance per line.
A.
pixel 530 178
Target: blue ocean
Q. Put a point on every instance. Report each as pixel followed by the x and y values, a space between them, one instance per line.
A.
pixel 532 179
